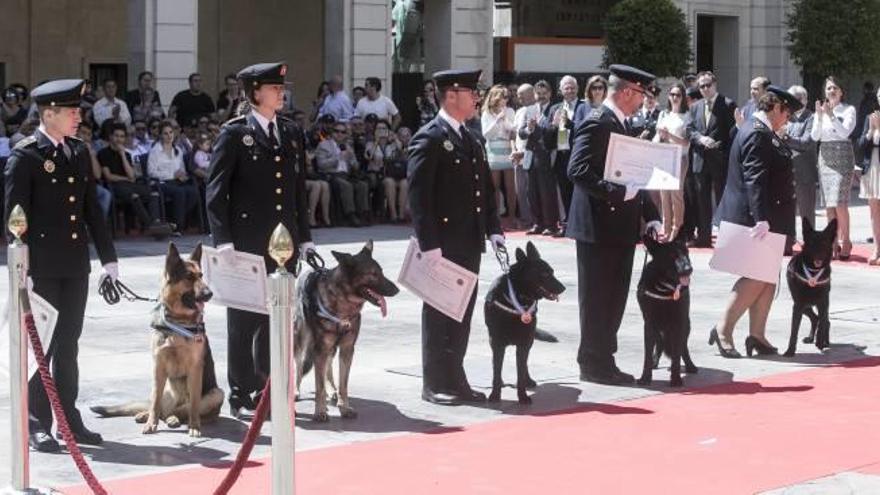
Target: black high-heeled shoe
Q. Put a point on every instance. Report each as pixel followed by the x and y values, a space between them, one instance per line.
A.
pixel 731 353
pixel 755 345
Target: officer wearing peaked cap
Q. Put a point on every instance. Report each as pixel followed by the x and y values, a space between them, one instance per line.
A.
pixel 49 175
pixel 452 201
pixel 605 219
pixel 256 180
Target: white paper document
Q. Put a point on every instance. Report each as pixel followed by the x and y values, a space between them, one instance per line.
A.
pixel 45 318
pixel 237 281
pixel 439 282
pixel 737 252
pixel 643 164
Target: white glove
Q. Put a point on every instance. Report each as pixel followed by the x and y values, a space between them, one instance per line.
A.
pixel 109 270
pixel 654 228
pixel 497 241
pixel 708 142
pixel 304 249
pixel 760 230
pixel 631 191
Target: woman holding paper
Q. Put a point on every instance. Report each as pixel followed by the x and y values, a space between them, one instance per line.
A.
pixel 759 194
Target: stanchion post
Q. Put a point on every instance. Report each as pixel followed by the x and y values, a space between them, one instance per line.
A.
pixel 282 365
pixel 17 262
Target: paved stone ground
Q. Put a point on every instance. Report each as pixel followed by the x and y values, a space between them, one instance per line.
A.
pixel 116 365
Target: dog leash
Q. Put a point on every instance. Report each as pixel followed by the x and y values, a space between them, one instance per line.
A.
pixel 313 259
pixel 503 258
pixel 112 292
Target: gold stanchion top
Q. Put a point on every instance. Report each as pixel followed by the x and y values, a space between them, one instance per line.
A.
pixel 17 222
pixel 281 246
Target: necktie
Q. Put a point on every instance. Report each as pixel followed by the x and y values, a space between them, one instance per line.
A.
pixel 59 153
pixel 272 139
pixel 708 112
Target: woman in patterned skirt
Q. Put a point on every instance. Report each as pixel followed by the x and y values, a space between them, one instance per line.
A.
pixel 869 142
pixel 834 122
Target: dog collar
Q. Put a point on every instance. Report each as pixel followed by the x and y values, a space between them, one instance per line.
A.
pixel 811 276
pixel 344 324
pixel 675 295
pixel 185 331
pixel 525 315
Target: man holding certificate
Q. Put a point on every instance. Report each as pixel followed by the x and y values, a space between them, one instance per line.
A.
pixel 453 209
pixel 760 193
pixel 605 220
pixel 257 179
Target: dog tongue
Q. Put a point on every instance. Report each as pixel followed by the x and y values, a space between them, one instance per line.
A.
pixel 383 307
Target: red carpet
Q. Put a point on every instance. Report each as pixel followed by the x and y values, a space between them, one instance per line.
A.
pixel 736 438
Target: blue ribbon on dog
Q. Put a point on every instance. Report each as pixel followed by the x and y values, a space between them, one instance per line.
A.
pixel 524 314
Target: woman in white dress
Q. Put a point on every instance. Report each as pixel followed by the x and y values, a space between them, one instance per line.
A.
pixel 870 170
pixel 498 130
pixel 672 128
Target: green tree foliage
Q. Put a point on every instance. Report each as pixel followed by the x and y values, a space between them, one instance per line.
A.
pixel 649 34
pixel 830 37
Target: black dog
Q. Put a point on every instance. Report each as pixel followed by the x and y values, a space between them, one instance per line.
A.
pixel 511 311
pixel 664 299
pixel 809 281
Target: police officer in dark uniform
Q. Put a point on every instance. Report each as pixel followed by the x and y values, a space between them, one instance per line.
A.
pixel 257 179
pixel 49 175
pixel 453 209
pixel 605 220
pixel 759 193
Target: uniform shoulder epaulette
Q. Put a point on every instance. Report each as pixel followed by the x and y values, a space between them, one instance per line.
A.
pixel 237 120
pixel 75 139
pixel 25 142
pixel 285 119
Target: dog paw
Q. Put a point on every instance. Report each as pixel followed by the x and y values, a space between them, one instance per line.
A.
pixel 347 413
pixel 530 383
pixel 808 340
pixel 172 421
pixel 676 382
pixel 645 380
pixel 691 370
pixel 789 353
pixel 150 428
pixel 195 433
pixel 141 418
pixel 321 417
pixel 524 399
pixel 495 396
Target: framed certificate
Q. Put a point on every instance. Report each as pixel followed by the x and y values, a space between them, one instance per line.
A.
pixel 439 282
pixel 237 281
pixel 644 164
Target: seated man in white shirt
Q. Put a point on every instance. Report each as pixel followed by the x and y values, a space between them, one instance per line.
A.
pixel 336 163
pixel 377 103
pixel 111 107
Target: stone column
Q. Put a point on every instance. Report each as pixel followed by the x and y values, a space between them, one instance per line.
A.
pixel 357 41
pixel 458 35
pixel 171 43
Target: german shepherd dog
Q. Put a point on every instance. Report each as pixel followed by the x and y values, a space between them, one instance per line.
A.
pixel 181 354
pixel 664 299
pixel 809 281
pixel 511 312
pixel 327 317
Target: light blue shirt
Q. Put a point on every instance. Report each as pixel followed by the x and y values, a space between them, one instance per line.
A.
pixel 338 105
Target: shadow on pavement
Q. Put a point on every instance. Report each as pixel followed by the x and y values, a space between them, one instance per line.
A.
pixel 153 455
pixel 556 399
pixel 374 416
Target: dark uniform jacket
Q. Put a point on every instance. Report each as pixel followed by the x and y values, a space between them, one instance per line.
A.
pixel 252 187
pixel 722 125
pixel 450 190
pixel 598 212
pixel 760 181
pixel 58 197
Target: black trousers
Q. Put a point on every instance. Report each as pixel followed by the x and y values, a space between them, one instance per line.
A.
pixel 137 195
pixel 543 197
pixel 604 273
pixel 566 187
pixel 68 296
pixel 247 358
pixel 445 341
pixel 708 181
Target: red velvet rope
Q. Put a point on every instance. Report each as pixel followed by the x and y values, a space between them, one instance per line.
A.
pixel 248 445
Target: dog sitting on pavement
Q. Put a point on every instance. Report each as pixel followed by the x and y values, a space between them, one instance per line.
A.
pixel 809 282
pixel 511 310
pixel 182 357
pixel 327 317
pixel 664 299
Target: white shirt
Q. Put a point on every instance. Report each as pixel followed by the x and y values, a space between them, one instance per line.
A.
pixel 103 110
pixel 675 124
pixel 161 166
pixel 621 117
pixel 338 105
pixel 834 129
pixel 523 114
pixel 264 124
pixel 382 106
pixel 497 126
pixel 456 125
pixel 55 143
pixel 569 106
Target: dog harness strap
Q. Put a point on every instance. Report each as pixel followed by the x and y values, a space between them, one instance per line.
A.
pixel 344 324
pixel 675 295
pixel 811 277
pixel 520 310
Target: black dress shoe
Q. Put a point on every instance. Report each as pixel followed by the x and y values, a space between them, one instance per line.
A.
pixel 607 377
pixel 729 353
pixel 558 233
pixel 755 345
pixel 535 230
pixel 440 398
pixel 84 436
pixel 43 442
pixel 471 395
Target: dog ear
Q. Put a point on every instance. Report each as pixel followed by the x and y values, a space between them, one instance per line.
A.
pixel 341 258
pixel 520 255
pixel 368 247
pixel 196 255
pixel 650 243
pixel 172 259
pixel 532 251
pixel 806 227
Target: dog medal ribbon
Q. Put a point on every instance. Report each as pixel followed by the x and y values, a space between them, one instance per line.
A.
pixel 526 318
pixel 677 294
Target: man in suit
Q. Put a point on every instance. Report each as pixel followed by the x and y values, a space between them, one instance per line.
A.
pixel 256 180
pixel 757 87
pixel 606 221
pixel 709 131
pixel 805 156
pixel 543 196
pixel 563 116
pixel 452 201
pixel 50 176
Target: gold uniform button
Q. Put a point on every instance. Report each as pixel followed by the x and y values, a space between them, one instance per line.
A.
pixel 72 218
pixel 54 180
pixel 277 175
pixel 445 219
pixel 278 191
pixel 72 199
pixel 457 160
pixel 70 179
pixel 278 207
pixel 612 208
pixel 478 209
pixel 476 176
pixel 255 157
pixel 478 194
pixel 277 158
pixel 73 236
